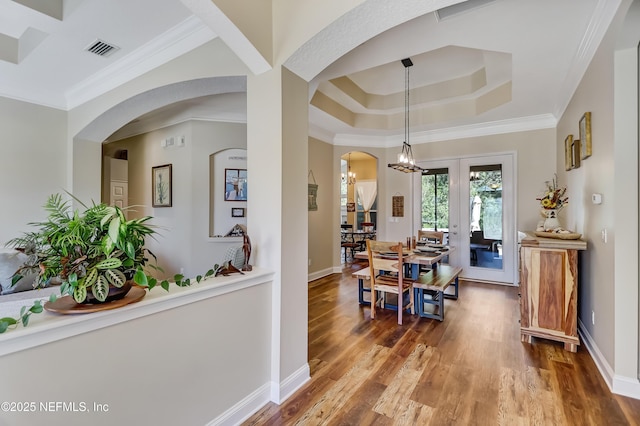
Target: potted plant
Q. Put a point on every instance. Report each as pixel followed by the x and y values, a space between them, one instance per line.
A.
pixel 96 253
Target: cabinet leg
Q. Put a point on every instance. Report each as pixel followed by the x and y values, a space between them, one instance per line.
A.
pixel 571 347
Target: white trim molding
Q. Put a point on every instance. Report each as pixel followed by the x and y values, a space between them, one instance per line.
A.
pixel 320 274
pixel 619 385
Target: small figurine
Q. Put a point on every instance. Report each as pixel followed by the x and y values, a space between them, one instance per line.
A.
pixel 246 248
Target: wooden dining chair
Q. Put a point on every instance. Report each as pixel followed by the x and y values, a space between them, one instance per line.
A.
pixel 435 237
pixel 387 276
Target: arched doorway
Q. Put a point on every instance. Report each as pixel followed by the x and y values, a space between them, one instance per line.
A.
pixel 358 200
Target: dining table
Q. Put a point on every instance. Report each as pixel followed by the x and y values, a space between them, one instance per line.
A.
pixel 422 255
pixel 427 255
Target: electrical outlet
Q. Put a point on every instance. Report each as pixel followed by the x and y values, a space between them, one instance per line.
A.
pixel 593 318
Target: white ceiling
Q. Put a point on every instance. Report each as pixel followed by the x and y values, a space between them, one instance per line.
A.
pixel 534 51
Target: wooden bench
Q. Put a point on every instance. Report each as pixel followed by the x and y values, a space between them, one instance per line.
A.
pixel 430 288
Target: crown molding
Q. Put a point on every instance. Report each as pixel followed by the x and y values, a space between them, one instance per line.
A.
pixel 599 23
pixel 521 124
pixel 184 37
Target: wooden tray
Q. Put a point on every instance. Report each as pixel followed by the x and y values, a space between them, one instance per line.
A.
pixel 67 305
pixel 570 236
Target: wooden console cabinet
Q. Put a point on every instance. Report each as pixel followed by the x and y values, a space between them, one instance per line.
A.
pixel 549 289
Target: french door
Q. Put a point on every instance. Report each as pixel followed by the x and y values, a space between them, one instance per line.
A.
pixel 472 199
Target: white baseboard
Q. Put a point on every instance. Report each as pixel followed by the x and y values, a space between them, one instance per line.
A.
pixel 253 402
pixel 290 385
pixel 244 408
pixel 319 274
pixel 620 385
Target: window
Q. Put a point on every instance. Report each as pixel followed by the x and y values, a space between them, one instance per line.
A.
pixel 435 200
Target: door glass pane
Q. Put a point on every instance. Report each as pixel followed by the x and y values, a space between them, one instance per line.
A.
pixel 435 200
pixel 485 204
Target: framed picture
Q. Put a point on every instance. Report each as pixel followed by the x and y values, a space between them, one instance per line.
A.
pixel 313 197
pixel 161 181
pixel 397 206
pixel 568 153
pixel 575 153
pixel 235 184
pixel 237 211
pixel 585 135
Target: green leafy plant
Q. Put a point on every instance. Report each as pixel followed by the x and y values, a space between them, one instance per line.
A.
pixel 91 250
pixel 88 252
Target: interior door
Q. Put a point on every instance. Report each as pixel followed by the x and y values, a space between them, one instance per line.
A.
pixel 118 193
pixel 480 208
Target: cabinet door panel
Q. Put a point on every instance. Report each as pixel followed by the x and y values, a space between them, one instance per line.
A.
pixel 551 289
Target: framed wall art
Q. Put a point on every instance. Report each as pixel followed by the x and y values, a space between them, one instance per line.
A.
pixel 397 206
pixel 313 197
pixel 575 154
pixel 235 184
pixel 161 186
pixel 237 212
pixel 585 135
pixel 568 153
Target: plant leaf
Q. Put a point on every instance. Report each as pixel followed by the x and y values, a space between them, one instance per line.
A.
pixel 178 277
pixel 165 285
pixel 15 279
pixel 25 320
pixel 115 277
pixel 141 278
pixel 91 277
pixel 152 283
pixel 107 245
pixel 3 325
pixel 130 250
pixel 198 278
pixel 100 288
pixel 80 294
pixel 110 263
pixel 9 320
pixel 114 228
pixel 36 308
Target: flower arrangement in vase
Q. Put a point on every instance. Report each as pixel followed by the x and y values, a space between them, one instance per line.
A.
pixel 553 200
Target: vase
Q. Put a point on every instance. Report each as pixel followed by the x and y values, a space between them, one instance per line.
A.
pixel 551 221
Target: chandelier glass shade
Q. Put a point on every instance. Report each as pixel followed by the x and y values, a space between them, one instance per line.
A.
pixel 406 162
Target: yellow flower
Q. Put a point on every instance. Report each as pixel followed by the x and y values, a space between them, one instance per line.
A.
pixel 546 202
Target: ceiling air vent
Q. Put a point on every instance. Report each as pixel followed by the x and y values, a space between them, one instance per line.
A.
pixel 101 48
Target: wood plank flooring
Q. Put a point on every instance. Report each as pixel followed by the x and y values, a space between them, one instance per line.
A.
pixel 471 369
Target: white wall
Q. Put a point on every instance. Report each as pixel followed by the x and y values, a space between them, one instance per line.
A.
pixel 33 164
pixel 181 366
pixel 184 243
pixel 608 270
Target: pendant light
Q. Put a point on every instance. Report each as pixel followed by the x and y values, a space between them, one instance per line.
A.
pixel 350 177
pixel 406 162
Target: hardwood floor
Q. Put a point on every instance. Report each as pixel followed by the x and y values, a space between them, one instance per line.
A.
pixel 469 369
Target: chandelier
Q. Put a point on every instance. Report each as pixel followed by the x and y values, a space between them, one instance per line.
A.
pixel 350 177
pixel 406 163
